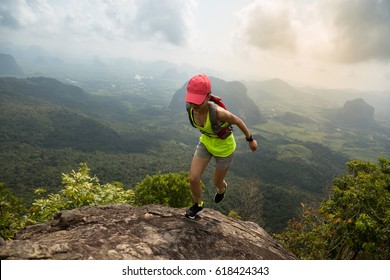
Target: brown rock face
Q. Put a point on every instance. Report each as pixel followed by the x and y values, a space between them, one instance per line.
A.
pixel 123 232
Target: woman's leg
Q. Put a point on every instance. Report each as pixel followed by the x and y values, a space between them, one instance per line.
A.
pixel 222 166
pixel 219 179
pixel 198 166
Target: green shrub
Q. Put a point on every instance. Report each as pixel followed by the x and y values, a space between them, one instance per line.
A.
pixel 172 189
pixel 80 189
pixel 11 213
pixel 353 223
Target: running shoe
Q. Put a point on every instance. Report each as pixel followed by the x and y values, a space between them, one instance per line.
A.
pixel 219 196
pixel 194 210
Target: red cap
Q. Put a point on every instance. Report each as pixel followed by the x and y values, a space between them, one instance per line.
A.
pixel 197 89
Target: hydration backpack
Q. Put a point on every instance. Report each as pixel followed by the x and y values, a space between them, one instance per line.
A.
pixel 222 132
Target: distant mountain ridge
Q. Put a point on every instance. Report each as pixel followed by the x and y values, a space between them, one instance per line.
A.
pixel 357 113
pixel 9 67
pixel 55 92
pixel 282 97
pixel 45 112
pixel 293 118
pixel 233 94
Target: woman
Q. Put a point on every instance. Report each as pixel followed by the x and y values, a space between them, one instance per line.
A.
pixel 210 144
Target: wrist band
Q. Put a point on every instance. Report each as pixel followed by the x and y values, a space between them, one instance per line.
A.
pixel 249 139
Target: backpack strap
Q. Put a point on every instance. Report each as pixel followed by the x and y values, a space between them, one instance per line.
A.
pixel 217 100
pixel 189 111
pixel 221 132
pixel 213 117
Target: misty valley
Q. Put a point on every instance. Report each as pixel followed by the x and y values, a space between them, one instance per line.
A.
pixel 127 119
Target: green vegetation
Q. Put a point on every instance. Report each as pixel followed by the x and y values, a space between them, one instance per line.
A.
pixel 165 189
pixel 353 223
pixel 11 213
pixel 363 144
pixel 80 189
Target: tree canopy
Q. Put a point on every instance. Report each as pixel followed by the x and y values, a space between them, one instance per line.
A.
pixel 170 189
pixel 11 213
pixel 353 223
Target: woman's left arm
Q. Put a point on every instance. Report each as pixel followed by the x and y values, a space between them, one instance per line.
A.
pixel 226 116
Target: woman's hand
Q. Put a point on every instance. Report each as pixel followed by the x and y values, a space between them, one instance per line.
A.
pixel 253 145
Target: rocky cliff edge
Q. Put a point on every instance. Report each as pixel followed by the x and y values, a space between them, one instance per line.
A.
pixel 123 232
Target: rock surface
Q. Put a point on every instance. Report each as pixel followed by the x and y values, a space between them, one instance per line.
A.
pixel 156 232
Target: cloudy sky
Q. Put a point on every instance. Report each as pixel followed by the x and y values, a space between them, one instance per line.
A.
pixel 332 43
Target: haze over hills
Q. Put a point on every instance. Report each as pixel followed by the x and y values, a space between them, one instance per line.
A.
pixel 8 66
pixel 281 96
pixel 138 84
pixel 339 118
pixel 37 61
pixel 357 113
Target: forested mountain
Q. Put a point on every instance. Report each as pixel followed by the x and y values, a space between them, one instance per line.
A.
pixel 357 113
pixel 343 120
pixel 64 95
pixel 47 128
pixel 46 113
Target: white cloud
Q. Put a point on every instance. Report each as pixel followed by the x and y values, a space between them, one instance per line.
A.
pixel 341 31
pixel 166 20
pixel 359 30
pixel 148 20
pixel 16 14
pixel 289 39
pixel 268 26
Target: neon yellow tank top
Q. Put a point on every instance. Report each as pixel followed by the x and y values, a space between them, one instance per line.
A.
pixel 216 146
